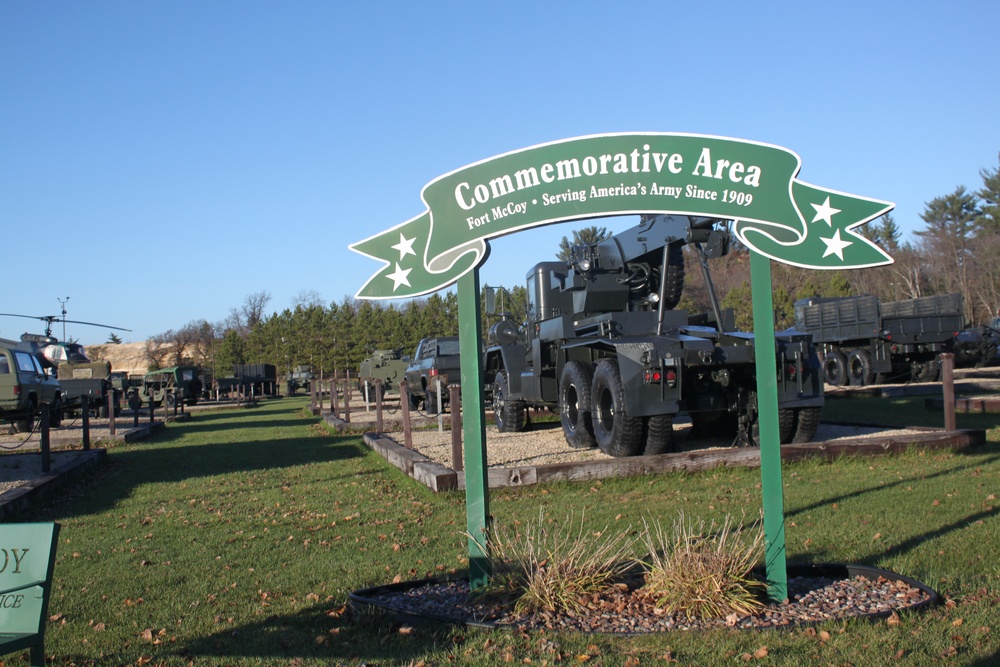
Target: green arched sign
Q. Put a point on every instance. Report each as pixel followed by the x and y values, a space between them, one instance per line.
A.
pixel 754 184
pixel 776 215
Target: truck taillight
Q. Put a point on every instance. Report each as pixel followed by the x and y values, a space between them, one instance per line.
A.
pixel 656 376
pixel 433 372
pixel 791 371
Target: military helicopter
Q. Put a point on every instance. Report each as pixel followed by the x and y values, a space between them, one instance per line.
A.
pixel 49 346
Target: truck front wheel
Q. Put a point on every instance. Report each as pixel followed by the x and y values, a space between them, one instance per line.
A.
pixel 574 405
pixel 617 434
pixel 510 415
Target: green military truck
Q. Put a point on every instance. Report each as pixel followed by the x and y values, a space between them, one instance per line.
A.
pixel 389 366
pixel 170 386
pixel 25 387
pixel 300 377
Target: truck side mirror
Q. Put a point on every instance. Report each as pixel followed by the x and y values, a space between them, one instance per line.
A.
pixel 490 297
pixel 717 244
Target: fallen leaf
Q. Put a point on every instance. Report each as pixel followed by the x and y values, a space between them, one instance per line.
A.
pixel 760 653
pixel 824 636
pixel 957 622
pixel 893 619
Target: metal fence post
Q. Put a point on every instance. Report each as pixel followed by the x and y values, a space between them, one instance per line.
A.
pixel 456 427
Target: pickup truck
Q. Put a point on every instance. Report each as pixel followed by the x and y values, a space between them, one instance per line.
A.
pixel 24 387
pixel 435 358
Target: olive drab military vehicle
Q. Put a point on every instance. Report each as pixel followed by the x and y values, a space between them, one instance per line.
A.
pixel 604 346
pixel 300 377
pixel 389 366
pixel 171 386
pixel 25 386
pixel 865 341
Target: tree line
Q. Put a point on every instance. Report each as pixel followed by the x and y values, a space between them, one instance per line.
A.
pixel 957 250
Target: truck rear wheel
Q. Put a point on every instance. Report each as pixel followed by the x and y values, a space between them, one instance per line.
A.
pixel 659 435
pixel 806 424
pixel 574 405
pixel 835 368
pixel 925 371
pixel 616 433
pixel 510 415
pixel 859 368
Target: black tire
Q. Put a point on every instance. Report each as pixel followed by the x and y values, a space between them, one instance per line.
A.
pixel 574 405
pixel 925 371
pixel 675 277
pixel 56 413
pixel 27 422
pixel 835 368
pixel 859 368
pixel 617 434
pixel 169 399
pixel 510 415
pixel 806 424
pixel 659 435
pixel 431 402
pixel 787 420
pixel 414 401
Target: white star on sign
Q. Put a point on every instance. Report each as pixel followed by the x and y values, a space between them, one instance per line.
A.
pixel 835 246
pixel 825 212
pixel 399 277
pixel 405 246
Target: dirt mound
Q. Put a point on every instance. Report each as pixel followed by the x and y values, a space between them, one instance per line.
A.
pixel 129 357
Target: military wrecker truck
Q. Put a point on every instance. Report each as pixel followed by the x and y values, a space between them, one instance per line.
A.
pixel 604 346
pixel 389 366
pixel 863 341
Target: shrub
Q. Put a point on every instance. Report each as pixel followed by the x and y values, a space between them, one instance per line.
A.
pixel 703 573
pixel 554 566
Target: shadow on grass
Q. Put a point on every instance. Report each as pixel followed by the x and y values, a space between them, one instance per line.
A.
pixel 878 488
pixel 339 632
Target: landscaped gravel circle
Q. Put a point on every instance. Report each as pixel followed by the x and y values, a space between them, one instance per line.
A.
pixel 624 610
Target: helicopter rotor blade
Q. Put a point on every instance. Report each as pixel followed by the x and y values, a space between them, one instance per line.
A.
pixel 52 319
pixel 95 324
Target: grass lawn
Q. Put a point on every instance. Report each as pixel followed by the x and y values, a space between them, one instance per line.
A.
pixel 235 539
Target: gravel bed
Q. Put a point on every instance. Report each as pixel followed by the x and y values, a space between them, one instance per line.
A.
pixel 625 610
pixel 544 443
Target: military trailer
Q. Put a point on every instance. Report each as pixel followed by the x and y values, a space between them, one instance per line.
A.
pixel 257 379
pixel 169 386
pixel 863 341
pixel 604 346
pixel 90 379
pixel 25 387
pixel 389 366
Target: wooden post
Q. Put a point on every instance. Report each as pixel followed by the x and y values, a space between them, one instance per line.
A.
pixel 378 405
pixel 85 412
pixel 46 418
pixel 404 404
pixel 111 412
pixel 347 398
pixel 948 386
pixel 456 427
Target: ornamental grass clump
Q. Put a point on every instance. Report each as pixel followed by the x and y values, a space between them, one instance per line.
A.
pixel 553 566
pixel 699 572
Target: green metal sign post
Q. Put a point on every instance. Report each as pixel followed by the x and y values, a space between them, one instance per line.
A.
pixel 767 415
pixel 777 216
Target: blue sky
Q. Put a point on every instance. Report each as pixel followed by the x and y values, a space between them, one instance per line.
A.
pixel 159 161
